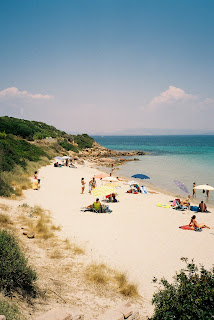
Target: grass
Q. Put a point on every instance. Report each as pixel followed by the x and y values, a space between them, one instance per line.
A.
pixel 4 207
pixel 10 310
pixel 19 178
pixel 101 275
pixel 5 220
pixel 56 254
pixel 73 247
pixel 38 221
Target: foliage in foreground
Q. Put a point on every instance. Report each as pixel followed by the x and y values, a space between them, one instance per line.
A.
pixel 10 310
pixel 191 296
pixel 15 274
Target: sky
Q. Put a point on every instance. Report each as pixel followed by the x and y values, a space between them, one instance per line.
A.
pixel 109 66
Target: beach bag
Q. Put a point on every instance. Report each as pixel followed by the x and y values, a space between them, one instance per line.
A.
pixel 198 229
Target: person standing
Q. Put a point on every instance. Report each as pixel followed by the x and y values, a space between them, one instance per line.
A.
pixel 207 192
pixel 83 185
pixel 193 190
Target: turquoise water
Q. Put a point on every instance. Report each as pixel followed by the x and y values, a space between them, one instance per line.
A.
pixel 185 158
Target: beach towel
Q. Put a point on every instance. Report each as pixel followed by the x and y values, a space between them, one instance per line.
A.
pixel 163 205
pixel 194 208
pixel 187 227
pixel 144 190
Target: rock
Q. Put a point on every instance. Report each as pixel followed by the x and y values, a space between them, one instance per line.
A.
pixel 31 235
pixel 126 310
pixel 2 317
pixel 56 314
pixel 111 315
pixel 134 316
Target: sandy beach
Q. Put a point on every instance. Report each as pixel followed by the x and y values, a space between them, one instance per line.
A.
pixel 138 237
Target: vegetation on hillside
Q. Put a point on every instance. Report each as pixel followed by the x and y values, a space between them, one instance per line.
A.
pixel 191 296
pixel 23 142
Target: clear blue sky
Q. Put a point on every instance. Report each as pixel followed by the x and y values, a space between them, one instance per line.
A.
pixel 108 65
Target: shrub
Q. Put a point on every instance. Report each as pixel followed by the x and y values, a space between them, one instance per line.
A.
pixel 5 189
pixel 191 296
pixel 15 274
pixel 68 146
pixel 10 310
pixel 83 141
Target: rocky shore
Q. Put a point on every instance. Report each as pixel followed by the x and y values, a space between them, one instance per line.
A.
pixel 106 157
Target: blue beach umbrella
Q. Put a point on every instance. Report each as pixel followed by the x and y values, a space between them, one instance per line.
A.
pixel 140 176
pixel 182 186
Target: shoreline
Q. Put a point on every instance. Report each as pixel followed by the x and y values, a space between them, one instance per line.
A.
pixel 153 187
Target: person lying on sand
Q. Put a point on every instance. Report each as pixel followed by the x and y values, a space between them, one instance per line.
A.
pixel 186 202
pixel 202 207
pixel 194 224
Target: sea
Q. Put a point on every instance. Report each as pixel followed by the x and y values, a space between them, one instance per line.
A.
pixel 187 158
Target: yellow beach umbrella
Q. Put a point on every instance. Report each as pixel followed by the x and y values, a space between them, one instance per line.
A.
pixel 111 184
pixel 103 191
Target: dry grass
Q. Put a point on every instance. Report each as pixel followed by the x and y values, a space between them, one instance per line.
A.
pixel 101 275
pixel 56 254
pixel 98 274
pixel 5 220
pixel 4 207
pixel 19 178
pixel 74 248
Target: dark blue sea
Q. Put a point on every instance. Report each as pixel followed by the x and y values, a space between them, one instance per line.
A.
pixel 185 158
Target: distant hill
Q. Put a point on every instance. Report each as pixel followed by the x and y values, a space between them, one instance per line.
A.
pixel 25 144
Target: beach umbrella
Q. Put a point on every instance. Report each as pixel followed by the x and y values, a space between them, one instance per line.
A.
pixel 181 186
pixel 131 182
pixel 204 187
pixel 101 176
pixel 112 179
pixel 66 157
pixel 58 158
pixel 102 191
pixel 112 184
pixel 140 176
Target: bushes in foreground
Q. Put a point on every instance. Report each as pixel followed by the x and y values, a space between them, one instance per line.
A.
pixel 191 296
pixel 15 274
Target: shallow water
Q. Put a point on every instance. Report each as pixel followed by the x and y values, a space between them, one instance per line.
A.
pixel 185 158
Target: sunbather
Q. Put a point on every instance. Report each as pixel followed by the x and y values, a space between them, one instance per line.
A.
pixel 194 224
pixel 97 205
pixel 202 207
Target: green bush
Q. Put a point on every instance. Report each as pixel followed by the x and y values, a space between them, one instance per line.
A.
pixel 15 274
pixel 10 310
pixel 191 296
pixel 83 141
pixel 68 146
pixel 16 152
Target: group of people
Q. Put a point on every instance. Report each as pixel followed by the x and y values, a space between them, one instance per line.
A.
pixel 92 185
pixel 67 163
pixel 194 191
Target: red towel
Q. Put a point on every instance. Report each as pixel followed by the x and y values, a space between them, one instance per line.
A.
pixel 187 227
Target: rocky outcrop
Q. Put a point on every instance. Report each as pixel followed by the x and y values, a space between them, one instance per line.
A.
pixel 107 157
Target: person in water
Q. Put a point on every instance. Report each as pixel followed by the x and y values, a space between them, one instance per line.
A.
pixel 194 224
